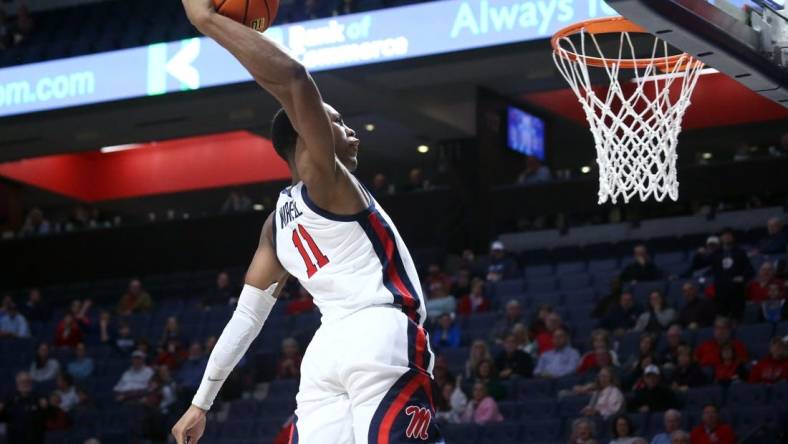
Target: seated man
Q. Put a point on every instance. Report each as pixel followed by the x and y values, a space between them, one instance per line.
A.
pixel 672 423
pixel 134 381
pixel 561 360
pixel 711 430
pixel 697 312
pixel 708 353
pixel 622 316
pixel 773 367
pixel 641 268
pixel 654 396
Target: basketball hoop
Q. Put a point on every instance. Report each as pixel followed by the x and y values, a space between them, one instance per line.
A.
pixel 635 131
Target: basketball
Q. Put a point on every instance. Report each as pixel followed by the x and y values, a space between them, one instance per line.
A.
pixel 256 14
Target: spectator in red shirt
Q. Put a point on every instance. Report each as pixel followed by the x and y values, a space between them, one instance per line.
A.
pixel 708 353
pixel 600 357
pixel 475 301
pixel 436 277
pixel 302 303
pixel 544 339
pixel 289 365
pixel 171 354
pixel 79 311
pixel 773 367
pixel 67 332
pixel 711 430
pixel 730 368
pixel 758 288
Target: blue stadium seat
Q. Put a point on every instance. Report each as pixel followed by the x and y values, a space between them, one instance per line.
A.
pixel 544 430
pixel 575 281
pixel 747 419
pixel 642 290
pixel 570 406
pixel 537 408
pixel 500 433
pixel 571 267
pixel 553 298
pixel 746 395
pixel 538 270
pixel 508 289
pixel 585 295
pixel 460 433
pixel 541 285
pixel 605 264
pixel 755 334
pixel 698 397
pixel 534 388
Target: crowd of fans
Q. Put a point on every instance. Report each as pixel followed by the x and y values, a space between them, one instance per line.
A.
pixel 163 372
pixel 14 31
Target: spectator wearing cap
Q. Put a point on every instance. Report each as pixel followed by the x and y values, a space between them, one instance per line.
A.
pixel 513 314
pixel 653 396
pixel 731 269
pixel 708 353
pixel 758 287
pixel 697 312
pixel 623 316
pixel 561 360
pixel 773 367
pixel 672 423
pixel 711 430
pixel 500 266
pixel 13 324
pixel 134 381
pixel 641 268
pixel 135 299
pixel 701 260
pixel 776 241
pixel 446 334
pixel 774 309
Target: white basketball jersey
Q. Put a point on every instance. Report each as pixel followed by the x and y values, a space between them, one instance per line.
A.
pixel 346 262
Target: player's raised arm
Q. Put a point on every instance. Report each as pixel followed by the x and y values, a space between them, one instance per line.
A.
pixel 285 78
pixel 264 281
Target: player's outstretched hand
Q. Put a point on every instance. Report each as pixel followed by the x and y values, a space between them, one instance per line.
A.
pixel 189 429
pixel 197 10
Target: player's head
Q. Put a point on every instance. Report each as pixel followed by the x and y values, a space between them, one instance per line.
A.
pixel 285 138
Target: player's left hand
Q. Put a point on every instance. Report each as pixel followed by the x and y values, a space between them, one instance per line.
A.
pixel 198 10
pixel 191 426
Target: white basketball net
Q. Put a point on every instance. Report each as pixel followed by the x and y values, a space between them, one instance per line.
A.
pixel 636 133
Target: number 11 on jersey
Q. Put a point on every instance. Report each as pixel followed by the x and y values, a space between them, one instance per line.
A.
pixel 300 233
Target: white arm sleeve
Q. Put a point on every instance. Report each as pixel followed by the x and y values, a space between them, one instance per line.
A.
pixel 254 306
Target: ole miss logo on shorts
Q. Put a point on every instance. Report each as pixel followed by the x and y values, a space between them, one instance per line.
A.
pixel 420 419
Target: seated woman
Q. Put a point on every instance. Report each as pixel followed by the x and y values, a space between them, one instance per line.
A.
pixel 582 432
pixel 658 316
pixel 487 375
pixel 482 409
pixel 607 399
pixel 731 367
pixel 446 333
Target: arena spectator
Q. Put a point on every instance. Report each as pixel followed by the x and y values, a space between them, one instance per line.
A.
pixel 446 333
pixel 668 355
pixel 773 367
pixel 499 265
pixel 606 399
pixel 671 423
pixel 646 347
pixel 561 360
pixel 135 299
pixel 776 241
pixel 106 327
pixel 701 260
pixel 513 362
pixel 55 417
pixel 123 341
pixel 622 316
pixel 79 311
pixel 544 339
pixel 190 371
pixel 289 365
pixel 534 172
pixel 440 301
pixel 236 202
pixel 440 371
pixel 641 268
pixel 35 224
pixel 758 287
pixel 171 332
pixel 711 430
pixel 166 388
pixel 24 420
pixel 452 403
pixel 13 324
pixel 730 368
pixel 416 182
pixel 607 302
pixel 731 270
pixel 461 283
pixel 708 353
pixel 482 408
pixel 658 316
pixel 598 358
pixel 44 368
pixel 774 309
pixel 134 382
pixel 474 301
pixel 679 437
pixel 171 354
pixel 488 375
pixel 687 373
pixel 82 365
pixel 302 303
pixel 582 432
pixel 436 278
pixel 523 339
pixel 697 312
pixel 223 294
pixel 623 430
pixel 479 352
pixel 513 314
pixel 68 332
pixel 34 309
pixel 67 392
pixel 380 186
pixel 653 396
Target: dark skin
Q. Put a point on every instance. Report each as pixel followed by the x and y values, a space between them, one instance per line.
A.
pixel 325 154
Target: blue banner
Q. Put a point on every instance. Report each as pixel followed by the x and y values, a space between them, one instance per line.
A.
pixel 345 41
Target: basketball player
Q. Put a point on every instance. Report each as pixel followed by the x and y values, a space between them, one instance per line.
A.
pixel 366 375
